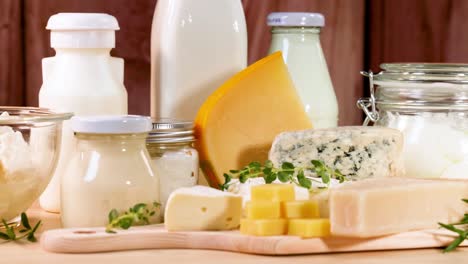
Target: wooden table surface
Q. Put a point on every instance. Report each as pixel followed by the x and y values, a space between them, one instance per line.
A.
pixel 26 252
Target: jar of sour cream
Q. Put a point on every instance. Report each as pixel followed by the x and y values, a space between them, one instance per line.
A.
pixel 170 145
pixel 111 169
pixel 429 104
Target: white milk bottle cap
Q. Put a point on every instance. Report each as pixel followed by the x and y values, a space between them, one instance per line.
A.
pixel 82 30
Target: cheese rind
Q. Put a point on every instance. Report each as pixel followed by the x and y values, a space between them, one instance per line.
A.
pixel 357 152
pixel 238 122
pixel 300 209
pixel 263 227
pixel 307 228
pixel 263 210
pixel 382 206
pixel 202 208
pixel 273 193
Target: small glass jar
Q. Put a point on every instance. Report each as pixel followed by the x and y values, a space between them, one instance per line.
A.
pixel 297 36
pixel 170 145
pixel 111 169
pixel 429 104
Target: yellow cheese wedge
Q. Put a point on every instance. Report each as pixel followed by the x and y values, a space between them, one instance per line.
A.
pixel 272 193
pixel 263 227
pixel 300 209
pixel 263 210
pixel 319 227
pixel 238 122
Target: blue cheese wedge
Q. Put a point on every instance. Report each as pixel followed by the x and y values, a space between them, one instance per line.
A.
pixel 357 152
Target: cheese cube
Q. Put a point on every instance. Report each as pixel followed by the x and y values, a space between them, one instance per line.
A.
pixel 382 206
pixel 300 209
pixel 319 227
pixel 273 192
pixel 263 210
pixel 263 227
pixel 202 208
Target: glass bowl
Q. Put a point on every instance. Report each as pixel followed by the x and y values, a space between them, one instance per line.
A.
pixel 29 147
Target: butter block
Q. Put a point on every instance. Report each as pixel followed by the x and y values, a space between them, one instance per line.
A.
pixel 300 209
pixel 263 210
pixel 263 227
pixel 382 206
pixel 202 208
pixel 306 228
pixel 273 193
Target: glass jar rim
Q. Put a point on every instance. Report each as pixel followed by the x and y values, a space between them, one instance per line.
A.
pixel 423 72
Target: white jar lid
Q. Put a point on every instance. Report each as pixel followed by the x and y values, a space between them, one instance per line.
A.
pixel 128 124
pixel 292 19
pixel 82 30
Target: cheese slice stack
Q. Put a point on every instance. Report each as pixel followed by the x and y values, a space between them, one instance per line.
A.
pixel 238 122
pixel 382 206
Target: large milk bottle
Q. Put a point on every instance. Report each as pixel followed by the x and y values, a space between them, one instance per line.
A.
pixel 297 35
pixel 81 78
pixel 195 47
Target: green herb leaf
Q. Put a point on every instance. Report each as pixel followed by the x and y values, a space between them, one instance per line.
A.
pixel 287 166
pixel 454 244
pixel 25 221
pixel 4 236
pixel 270 177
pixel 138 214
pixel 268 164
pixel 283 176
pixel 113 214
pixel 304 182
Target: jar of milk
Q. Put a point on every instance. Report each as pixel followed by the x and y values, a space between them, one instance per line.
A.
pixel 81 78
pixel 170 145
pixel 195 47
pixel 111 169
pixel 297 35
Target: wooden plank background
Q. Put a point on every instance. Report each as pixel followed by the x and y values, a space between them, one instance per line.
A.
pixel 359 34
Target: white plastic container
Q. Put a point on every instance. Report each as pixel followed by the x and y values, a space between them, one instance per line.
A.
pixel 297 35
pixel 195 47
pixel 111 169
pixel 82 78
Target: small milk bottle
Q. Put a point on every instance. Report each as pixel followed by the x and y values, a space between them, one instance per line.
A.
pixel 297 35
pixel 195 47
pixel 81 78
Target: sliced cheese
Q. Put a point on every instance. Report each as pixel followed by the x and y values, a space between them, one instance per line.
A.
pixel 202 208
pixel 307 228
pixel 238 122
pixel 375 207
pixel 300 209
pixel 273 192
pixel 263 210
pixel 264 227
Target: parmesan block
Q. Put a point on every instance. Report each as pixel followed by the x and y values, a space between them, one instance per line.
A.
pixel 382 206
pixel 306 228
pixel 300 209
pixel 238 122
pixel 275 192
pixel 357 152
pixel 202 208
pixel 264 227
pixel 263 210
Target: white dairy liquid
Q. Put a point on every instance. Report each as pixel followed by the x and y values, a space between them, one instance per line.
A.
pixel 85 82
pixel 304 57
pixel 195 47
pixel 104 174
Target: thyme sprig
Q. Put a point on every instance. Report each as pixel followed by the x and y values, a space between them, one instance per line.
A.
pixel 286 173
pixel 139 214
pixel 462 233
pixel 27 231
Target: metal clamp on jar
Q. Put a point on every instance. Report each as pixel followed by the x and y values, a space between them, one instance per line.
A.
pixel 170 145
pixel 429 104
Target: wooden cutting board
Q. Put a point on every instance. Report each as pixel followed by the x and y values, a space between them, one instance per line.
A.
pixel 88 240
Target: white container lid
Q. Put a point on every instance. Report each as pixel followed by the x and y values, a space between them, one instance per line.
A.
pixel 291 19
pixel 82 30
pixel 127 124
